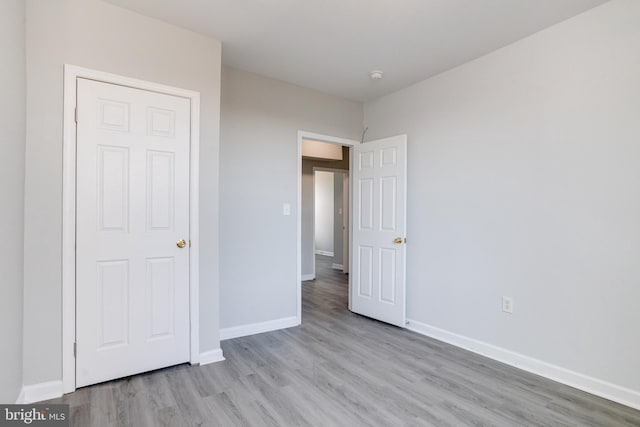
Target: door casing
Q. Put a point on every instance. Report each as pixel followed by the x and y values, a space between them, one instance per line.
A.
pixel 71 74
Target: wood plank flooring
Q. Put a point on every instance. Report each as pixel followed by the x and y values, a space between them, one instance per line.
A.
pixel 340 369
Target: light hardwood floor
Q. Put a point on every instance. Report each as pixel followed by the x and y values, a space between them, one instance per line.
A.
pixel 340 369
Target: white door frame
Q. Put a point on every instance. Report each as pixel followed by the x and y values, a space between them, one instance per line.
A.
pixel 71 74
pixel 346 241
pixel 321 138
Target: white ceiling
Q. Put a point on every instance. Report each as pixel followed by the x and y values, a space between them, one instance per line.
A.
pixel 331 45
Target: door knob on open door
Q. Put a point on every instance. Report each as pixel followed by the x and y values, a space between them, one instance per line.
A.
pixel 397 240
pixel 181 243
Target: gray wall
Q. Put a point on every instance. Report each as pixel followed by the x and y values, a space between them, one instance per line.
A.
pixel 524 169
pixel 323 204
pixel 12 142
pixel 260 121
pixel 93 34
pixel 308 248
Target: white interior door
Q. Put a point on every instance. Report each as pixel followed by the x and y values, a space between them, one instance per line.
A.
pixel 379 229
pixel 132 279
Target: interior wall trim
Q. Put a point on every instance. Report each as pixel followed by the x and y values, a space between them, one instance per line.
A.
pixel 595 386
pixel 211 356
pixel 38 392
pixel 258 328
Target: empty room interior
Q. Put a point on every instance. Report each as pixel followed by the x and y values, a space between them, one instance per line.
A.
pixel 320 213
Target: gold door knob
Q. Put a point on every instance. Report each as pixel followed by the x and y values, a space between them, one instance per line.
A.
pixel 181 243
pixel 397 240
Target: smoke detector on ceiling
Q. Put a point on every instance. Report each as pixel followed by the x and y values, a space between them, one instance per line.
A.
pixel 376 75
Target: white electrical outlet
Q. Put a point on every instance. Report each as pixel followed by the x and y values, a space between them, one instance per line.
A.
pixel 507 304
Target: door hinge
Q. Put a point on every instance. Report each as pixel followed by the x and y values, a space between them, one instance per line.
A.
pixel 75 349
pixel 76 114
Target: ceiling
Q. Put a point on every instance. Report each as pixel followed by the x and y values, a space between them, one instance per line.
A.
pixel 332 45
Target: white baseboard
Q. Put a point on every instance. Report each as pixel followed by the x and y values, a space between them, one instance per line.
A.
pixel 337 266
pixel 574 379
pixel 54 389
pixel 258 328
pixel 325 253
pixel 20 399
pixel 307 277
pixel 211 356
pixel 39 392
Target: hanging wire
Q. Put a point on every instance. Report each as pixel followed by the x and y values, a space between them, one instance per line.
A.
pixel 363 132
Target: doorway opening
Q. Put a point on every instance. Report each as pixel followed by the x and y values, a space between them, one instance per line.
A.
pixel 323 160
pixel 331 216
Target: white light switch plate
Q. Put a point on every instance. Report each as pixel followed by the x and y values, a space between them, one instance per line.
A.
pixel 286 209
pixel 507 304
